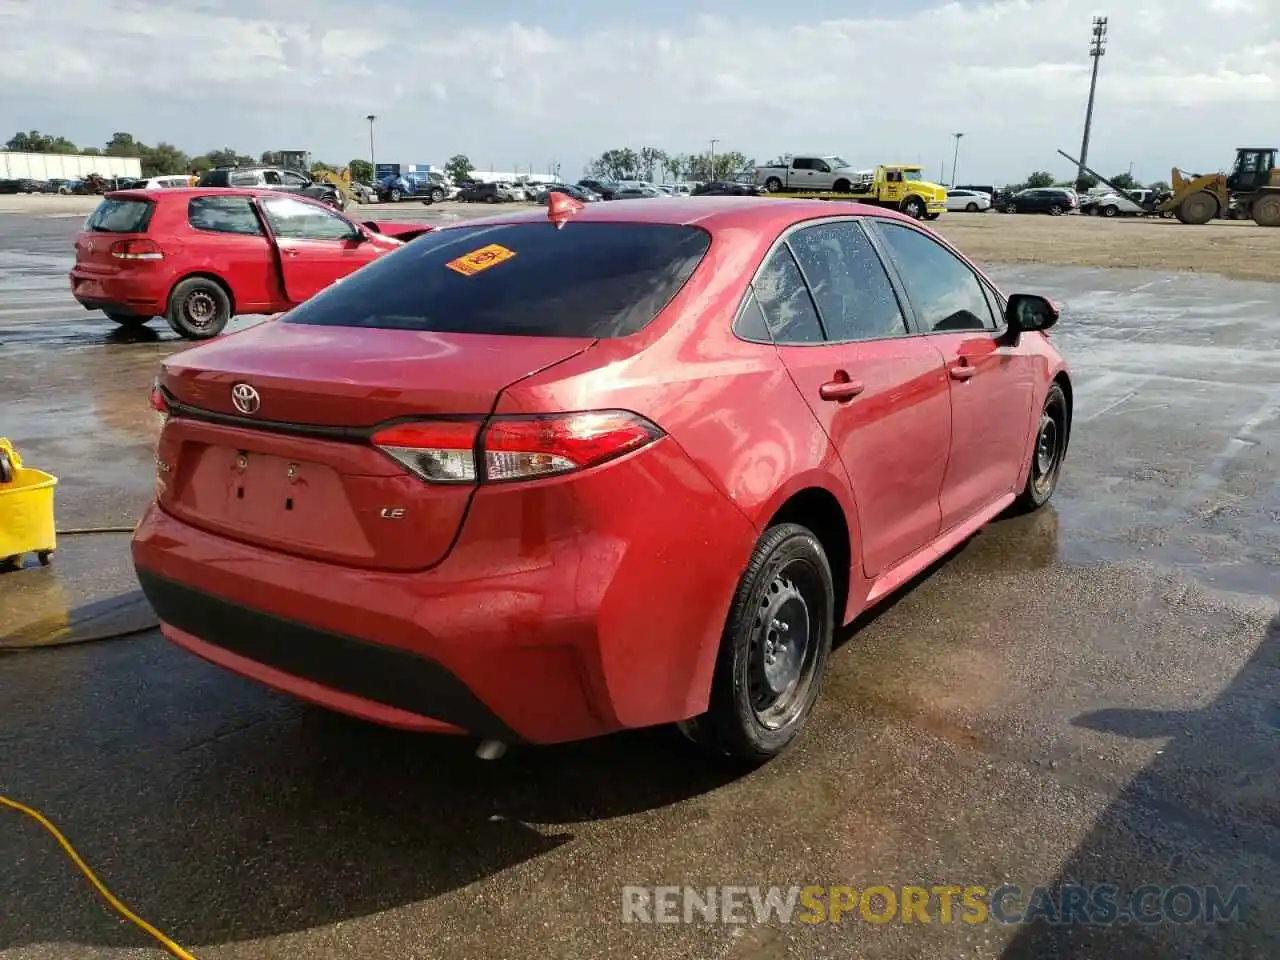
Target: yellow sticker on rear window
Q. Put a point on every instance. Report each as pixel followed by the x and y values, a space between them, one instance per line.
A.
pixel 482 259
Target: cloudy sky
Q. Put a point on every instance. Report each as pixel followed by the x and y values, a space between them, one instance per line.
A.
pixel 534 82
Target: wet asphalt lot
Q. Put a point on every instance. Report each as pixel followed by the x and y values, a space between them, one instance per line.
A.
pixel 1088 695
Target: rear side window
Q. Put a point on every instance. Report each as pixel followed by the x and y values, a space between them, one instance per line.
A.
pixel 524 279
pixel 120 216
pixel 223 215
pixel 848 281
pixel 784 298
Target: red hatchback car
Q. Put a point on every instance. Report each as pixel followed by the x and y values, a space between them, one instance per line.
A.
pixel 542 480
pixel 198 256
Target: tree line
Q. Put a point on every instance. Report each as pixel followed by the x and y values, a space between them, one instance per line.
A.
pixel 647 163
pixel 1125 181
pixel 163 158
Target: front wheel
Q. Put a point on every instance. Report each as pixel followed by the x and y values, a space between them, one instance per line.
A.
pixel 394 195
pixel 1110 211
pixel 1047 453
pixel 437 195
pixel 1011 208
pixel 198 308
pixel 971 208
pixel 913 207
pixel 1056 211
pixel 774 649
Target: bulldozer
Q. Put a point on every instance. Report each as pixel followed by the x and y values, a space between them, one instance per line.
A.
pixel 300 161
pixel 1251 191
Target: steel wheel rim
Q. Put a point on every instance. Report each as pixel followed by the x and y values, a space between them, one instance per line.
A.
pixel 783 652
pixel 1047 450
pixel 199 309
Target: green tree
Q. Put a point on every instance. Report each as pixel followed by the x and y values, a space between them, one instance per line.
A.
pixel 1040 179
pixel 33 141
pixel 361 171
pixel 123 145
pixel 618 164
pixel 271 158
pixel 1160 186
pixel 459 167
pixel 1125 181
pixel 729 165
pixel 163 158
pixel 651 160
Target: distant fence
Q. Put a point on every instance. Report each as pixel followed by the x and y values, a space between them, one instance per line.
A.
pixel 65 166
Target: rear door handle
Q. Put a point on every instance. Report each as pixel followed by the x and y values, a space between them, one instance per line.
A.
pixel 840 390
pixel 289 251
pixel 962 373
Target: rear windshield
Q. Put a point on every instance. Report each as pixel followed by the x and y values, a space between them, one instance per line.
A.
pixel 526 279
pixel 120 216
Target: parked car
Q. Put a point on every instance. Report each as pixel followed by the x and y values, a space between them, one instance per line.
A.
pixel 1052 200
pixel 488 193
pixel 198 256
pixel 970 201
pixel 543 478
pixel 605 188
pixel 678 189
pixel 581 194
pixel 728 188
pixel 637 191
pixel 273 178
pixel 57 185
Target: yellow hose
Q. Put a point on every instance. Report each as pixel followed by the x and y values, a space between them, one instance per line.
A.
pixel 98 885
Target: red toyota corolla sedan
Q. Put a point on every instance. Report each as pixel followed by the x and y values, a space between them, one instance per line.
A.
pixel 199 256
pixel 555 474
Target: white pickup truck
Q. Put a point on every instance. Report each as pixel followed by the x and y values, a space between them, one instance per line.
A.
pixel 1106 202
pixel 809 172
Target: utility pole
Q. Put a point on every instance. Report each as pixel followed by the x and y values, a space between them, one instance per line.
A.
pixel 954 157
pixel 712 173
pixel 1097 50
pixel 372 117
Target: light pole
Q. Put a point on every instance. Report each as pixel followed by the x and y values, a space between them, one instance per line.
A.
pixel 954 157
pixel 373 163
pixel 714 141
pixel 1097 50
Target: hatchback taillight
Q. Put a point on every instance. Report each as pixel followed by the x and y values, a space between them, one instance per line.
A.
pixel 136 250
pixel 514 448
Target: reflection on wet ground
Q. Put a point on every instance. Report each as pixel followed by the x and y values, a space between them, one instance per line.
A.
pixel 1087 694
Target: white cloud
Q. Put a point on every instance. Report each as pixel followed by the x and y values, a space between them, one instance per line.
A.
pixel 1178 85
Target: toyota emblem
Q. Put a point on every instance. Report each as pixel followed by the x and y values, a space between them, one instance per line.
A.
pixel 245 398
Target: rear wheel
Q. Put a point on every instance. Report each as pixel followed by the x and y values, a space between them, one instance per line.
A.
pixel 1011 208
pixel 970 208
pixel 437 195
pixel 1200 207
pixel 1266 210
pixel 773 184
pixel 198 308
pixel 394 195
pixel 1056 211
pixel 126 319
pixel 774 650
pixel 1048 452
pixel 1110 211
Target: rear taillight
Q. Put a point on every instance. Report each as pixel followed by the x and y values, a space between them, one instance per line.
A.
pixel 136 250
pixel 514 448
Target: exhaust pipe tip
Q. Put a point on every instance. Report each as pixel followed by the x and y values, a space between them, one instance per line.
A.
pixel 491 750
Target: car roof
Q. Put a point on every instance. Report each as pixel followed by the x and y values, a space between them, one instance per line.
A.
pixel 711 213
pixel 137 194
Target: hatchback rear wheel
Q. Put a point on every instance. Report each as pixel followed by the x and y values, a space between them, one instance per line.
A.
pixel 774 650
pixel 198 308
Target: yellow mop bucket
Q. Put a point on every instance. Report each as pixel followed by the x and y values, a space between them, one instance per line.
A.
pixel 26 509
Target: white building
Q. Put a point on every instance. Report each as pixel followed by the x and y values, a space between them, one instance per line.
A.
pixel 65 166
pixel 503 176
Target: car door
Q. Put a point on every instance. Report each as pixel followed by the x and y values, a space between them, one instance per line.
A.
pixel 802 173
pixel 227 236
pixel 991 380
pixel 879 393
pixel 317 246
pixel 823 178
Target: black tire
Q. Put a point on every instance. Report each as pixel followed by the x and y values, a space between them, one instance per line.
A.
pixel 9 564
pixel 1200 207
pixel 1266 210
pixel 773 184
pixel 970 208
pixel 45 557
pixel 1047 452
pixel 842 186
pixel 437 195
pixel 6 467
pixel 490 198
pixel 1056 211
pixel 764 687
pixel 394 195
pixel 126 320
pixel 1011 208
pixel 198 308
pixel 913 207
pixel 1110 211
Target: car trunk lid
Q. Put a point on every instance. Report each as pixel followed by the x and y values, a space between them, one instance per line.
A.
pixel 295 470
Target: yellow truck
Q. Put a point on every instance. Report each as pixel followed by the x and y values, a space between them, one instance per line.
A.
pixel 900 186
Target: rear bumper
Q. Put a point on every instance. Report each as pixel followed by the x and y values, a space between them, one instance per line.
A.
pixel 572 609
pixel 142 296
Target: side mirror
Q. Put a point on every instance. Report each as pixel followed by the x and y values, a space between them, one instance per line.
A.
pixel 1027 311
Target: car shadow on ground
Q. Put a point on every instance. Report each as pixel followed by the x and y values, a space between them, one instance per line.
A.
pixel 288 818
pixel 1205 813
